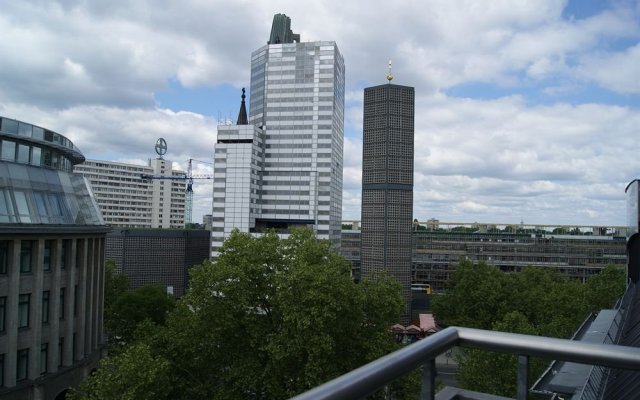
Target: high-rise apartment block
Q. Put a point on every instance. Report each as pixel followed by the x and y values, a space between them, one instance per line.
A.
pixel 284 167
pixel 127 200
pixel 387 184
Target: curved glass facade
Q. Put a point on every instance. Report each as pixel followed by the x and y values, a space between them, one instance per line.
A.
pixel 37 185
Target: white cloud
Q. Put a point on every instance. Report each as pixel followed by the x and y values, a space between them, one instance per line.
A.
pixel 89 70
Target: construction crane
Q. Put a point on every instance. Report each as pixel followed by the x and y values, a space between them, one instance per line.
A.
pixel 188 178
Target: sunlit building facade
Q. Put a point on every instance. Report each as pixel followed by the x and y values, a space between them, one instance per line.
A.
pixel 286 159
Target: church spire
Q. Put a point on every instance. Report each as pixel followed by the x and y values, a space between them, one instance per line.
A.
pixel 242 115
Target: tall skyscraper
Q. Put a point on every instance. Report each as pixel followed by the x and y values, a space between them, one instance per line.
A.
pixel 284 169
pixel 387 184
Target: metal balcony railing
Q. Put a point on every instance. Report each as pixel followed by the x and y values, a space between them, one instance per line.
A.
pixel 378 373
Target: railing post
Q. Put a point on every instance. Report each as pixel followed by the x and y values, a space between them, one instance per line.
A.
pixel 523 376
pixel 428 390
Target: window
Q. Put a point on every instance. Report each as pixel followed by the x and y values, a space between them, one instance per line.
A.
pixel 1 369
pixel 63 254
pixel 75 300
pixel 4 255
pixel 61 303
pixel 44 356
pixel 60 350
pixel 23 310
pixel 3 312
pixel 46 263
pixel 22 365
pixel 45 307
pixel 26 248
pixel 23 206
pixel 23 154
pixel 8 150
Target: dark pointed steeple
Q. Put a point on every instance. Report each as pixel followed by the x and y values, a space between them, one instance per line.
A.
pixel 242 115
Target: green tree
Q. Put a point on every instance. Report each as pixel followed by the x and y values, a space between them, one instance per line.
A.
pixel 605 288
pixel 149 302
pixel 535 301
pixel 115 285
pixel 268 319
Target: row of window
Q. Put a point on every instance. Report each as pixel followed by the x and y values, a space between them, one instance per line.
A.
pixel 34 155
pixel 23 129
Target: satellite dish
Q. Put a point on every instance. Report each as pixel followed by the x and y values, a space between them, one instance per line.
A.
pixel 161 147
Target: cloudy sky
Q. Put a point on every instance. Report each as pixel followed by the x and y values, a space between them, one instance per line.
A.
pixel 525 110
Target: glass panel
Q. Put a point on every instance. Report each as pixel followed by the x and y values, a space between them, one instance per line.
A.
pixel 44 347
pixel 4 256
pixel 10 126
pixel 46 159
pixel 22 206
pixel 23 154
pixel 46 263
pixel 23 311
pixel 42 207
pixel 45 306
pixel 26 251
pixel 38 133
pixel 22 364
pixel 25 129
pixel 8 150
pixel 6 207
pixel 36 155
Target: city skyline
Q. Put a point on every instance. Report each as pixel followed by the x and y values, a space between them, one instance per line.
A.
pixel 524 111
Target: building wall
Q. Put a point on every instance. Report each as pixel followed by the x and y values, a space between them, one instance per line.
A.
pixel 51 265
pixel 158 256
pixel 238 163
pixel 127 200
pixel 387 184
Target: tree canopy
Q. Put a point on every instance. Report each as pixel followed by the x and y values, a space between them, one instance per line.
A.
pixel 536 301
pixel 268 319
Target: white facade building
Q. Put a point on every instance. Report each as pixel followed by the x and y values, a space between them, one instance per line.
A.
pixel 284 169
pixel 127 200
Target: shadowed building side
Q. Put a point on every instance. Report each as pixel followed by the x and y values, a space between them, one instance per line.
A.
pixel 387 185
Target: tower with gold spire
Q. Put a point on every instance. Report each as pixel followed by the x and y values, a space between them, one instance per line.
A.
pixel 387 184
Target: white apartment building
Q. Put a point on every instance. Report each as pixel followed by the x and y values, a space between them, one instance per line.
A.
pixel 282 167
pixel 127 200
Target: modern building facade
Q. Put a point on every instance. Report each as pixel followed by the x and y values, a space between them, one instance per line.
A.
pixel 284 167
pixel 51 265
pixel 576 252
pixel 127 200
pixel 387 184
pixel 158 256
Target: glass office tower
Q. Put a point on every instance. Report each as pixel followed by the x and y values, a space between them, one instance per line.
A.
pixel 296 118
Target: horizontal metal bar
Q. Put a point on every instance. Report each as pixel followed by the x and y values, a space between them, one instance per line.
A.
pixel 373 376
pixel 607 355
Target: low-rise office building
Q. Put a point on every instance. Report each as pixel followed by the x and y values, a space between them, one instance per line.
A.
pixel 577 252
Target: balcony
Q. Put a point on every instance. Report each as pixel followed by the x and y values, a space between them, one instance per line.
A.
pixel 375 375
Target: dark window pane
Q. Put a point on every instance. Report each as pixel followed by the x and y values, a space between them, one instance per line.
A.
pixel 22 364
pixel 23 310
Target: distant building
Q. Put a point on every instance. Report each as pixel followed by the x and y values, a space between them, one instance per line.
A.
pixel 127 200
pixel 51 265
pixel 281 167
pixel 387 184
pixel 436 253
pixel 158 256
pixel 207 221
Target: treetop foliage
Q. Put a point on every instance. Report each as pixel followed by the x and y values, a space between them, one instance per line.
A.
pixel 535 301
pixel 268 319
